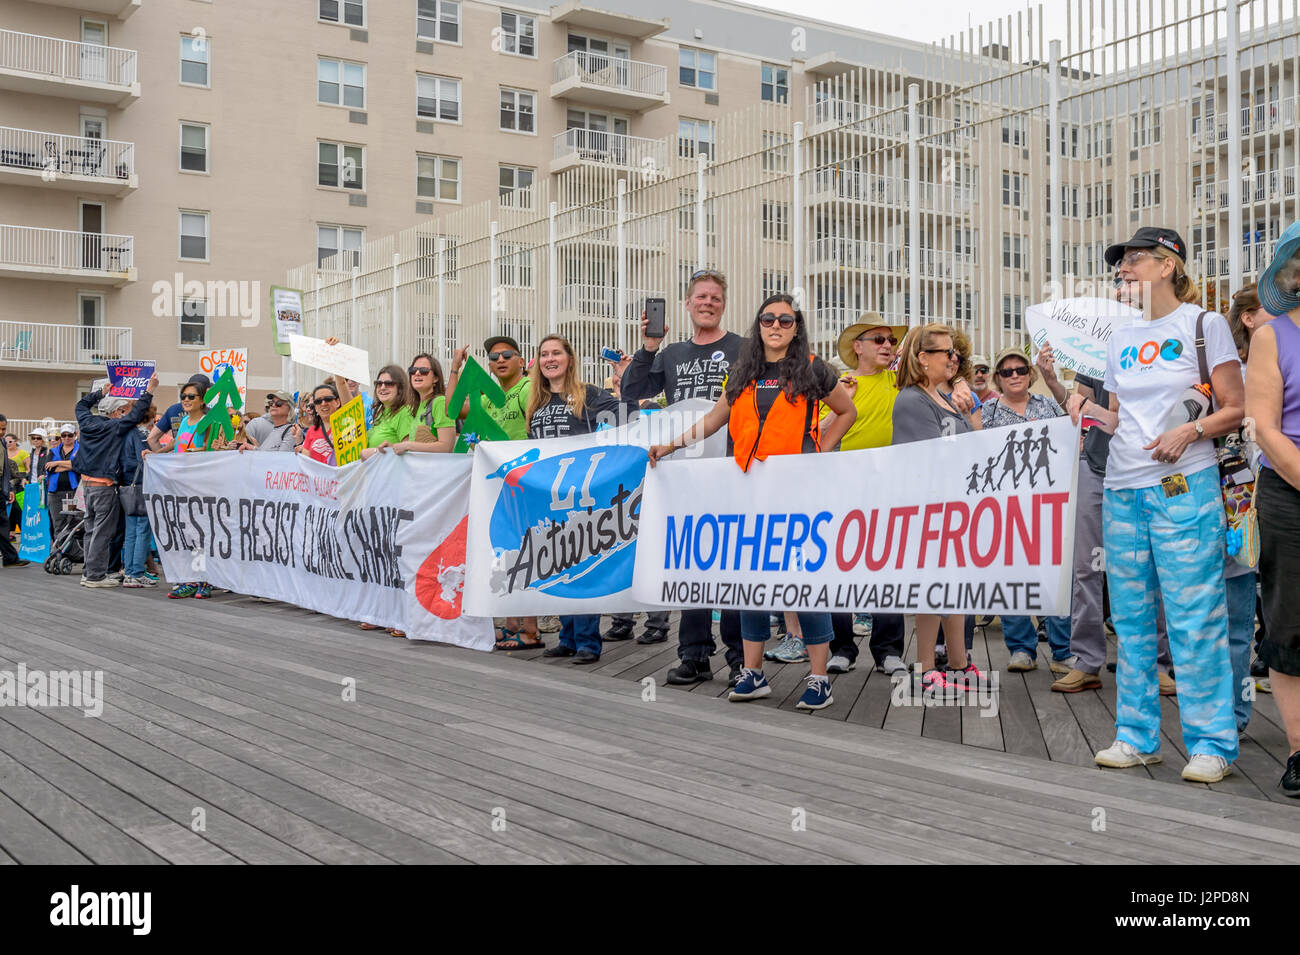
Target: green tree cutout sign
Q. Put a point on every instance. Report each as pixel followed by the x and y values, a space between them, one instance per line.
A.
pixel 221 399
pixel 475 384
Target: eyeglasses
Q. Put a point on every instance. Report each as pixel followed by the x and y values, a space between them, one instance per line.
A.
pixel 1015 371
pixel 1134 257
pixel 879 339
pixel 327 400
pixel 189 397
pixel 707 273
pixel 981 369
pixel 385 383
pixel 767 320
pixel 504 354
pixel 950 352
pixel 414 370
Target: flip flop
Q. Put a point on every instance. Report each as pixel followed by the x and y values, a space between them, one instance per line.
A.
pixel 516 642
pixel 396 633
pixel 370 626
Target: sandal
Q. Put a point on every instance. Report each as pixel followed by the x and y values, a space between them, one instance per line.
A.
pixel 516 642
pixel 370 626
pixel 393 631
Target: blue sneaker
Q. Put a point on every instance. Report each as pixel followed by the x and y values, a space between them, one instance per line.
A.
pixel 817 696
pixel 752 685
pixel 782 646
pixel 791 651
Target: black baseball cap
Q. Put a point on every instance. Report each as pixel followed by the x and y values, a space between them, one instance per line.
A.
pixel 501 340
pixel 1148 237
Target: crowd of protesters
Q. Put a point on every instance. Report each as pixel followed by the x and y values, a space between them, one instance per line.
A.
pixel 1154 558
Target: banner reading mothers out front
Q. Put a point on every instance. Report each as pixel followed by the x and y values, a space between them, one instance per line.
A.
pixel 381 541
pixel 554 522
pixel 974 523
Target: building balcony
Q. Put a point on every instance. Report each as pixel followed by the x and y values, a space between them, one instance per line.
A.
pixel 119 9
pixel 55 255
pixel 598 226
pixel 867 119
pixel 574 14
pixel 86 72
pixel 840 254
pixel 609 82
pixel 1271 185
pixel 885 190
pixel 32 346
pixel 576 146
pixel 598 303
pixel 55 161
pixel 1269 117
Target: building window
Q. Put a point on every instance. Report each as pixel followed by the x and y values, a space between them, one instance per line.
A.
pixel 194 235
pixel 1145 190
pixel 437 97
pixel 1011 312
pixel 194 147
pixel 350 12
pixel 1013 130
pixel 514 178
pixel 776 151
pixel 1144 128
pixel 697 68
pixel 438 20
pixel 1011 258
pixel 517 110
pixel 1099 199
pixel 194 60
pixel 776 221
pixel 964 241
pixel 1010 188
pixel 341 84
pixel 775 282
pixel 332 239
pixel 194 322
pixel 776 83
pixel 340 165
pixel 518 34
pixel 686 210
pixel 694 138
pixel 438 177
pixel 515 265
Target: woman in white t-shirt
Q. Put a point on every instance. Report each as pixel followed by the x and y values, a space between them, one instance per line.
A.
pixel 1163 509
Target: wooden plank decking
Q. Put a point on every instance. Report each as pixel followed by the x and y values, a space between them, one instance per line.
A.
pixel 225 738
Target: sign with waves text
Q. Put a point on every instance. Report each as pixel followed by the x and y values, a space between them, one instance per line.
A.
pixel 1078 329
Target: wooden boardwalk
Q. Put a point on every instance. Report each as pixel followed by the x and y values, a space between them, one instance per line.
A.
pixel 225 737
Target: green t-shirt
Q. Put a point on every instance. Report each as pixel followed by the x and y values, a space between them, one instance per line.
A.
pixel 392 428
pixel 510 416
pixel 434 414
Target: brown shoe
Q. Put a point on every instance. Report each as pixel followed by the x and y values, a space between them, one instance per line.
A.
pixel 1075 681
pixel 1167 685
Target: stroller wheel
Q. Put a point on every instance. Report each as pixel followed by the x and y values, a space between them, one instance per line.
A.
pixel 65 565
pixel 51 563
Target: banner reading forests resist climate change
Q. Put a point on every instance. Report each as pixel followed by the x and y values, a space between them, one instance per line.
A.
pixel 382 541
pixel 974 523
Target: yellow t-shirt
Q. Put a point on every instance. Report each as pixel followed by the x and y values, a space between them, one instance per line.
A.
pixel 874 399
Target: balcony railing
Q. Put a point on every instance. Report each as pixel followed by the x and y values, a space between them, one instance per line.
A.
pixel 69 155
pixel 67 59
pixel 598 224
pixel 888 189
pixel 598 301
pixel 57 249
pixel 612 73
pixel 595 145
pixel 1265 186
pixel 31 343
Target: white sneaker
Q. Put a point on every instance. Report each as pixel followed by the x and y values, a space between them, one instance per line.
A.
pixel 892 664
pixel 840 664
pixel 133 582
pixel 1022 661
pixel 1204 768
pixel 1121 755
pixel 105 582
pixel 1062 667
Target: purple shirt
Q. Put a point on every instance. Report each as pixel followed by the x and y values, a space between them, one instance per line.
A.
pixel 1288 363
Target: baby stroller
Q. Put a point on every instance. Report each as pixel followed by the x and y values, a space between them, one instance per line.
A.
pixel 66 548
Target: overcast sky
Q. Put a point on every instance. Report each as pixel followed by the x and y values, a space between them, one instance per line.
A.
pixel 925 20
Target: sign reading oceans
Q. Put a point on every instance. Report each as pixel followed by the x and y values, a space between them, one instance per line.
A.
pixel 555 521
pixel 975 523
pixel 1078 329
pixel 383 543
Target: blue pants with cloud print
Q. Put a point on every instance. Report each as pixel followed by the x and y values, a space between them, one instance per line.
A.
pixel 1172 546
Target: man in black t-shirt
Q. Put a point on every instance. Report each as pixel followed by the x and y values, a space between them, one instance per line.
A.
pixel 695 368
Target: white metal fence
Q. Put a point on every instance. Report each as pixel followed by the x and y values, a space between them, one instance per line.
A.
pixel 29 247
pixel 35 343
pixel 67 59
pixel 70 155
pixel 1008 162
pixel 605 71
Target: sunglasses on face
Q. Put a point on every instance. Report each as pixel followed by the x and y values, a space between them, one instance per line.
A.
pixel 1133 258
pixel 880 339
pixel 706 273
pixel 1014 371
pixel 950 352
pixel 981 370
pixel 385 383
pixel 328 400
pixel 413 371
pixel 767 320
pixel 189 397
pixel 504 355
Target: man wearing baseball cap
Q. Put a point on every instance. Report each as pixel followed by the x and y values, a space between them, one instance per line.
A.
pixel 506 362
pixel 277 430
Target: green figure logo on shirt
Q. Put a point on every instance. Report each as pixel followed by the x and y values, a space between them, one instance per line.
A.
pixel 474 385
pixel 221 398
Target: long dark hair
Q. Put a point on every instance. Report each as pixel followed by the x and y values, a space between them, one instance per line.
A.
pixel 406 396
pixel 315 415
pixel 795 370
pixel 440 386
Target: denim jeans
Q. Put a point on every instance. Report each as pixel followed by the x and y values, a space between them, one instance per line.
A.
pixel 581 632
pixel 1019 633
pixel 1241 634
pixel 816 627
pixel 135 549
pixel 1172 546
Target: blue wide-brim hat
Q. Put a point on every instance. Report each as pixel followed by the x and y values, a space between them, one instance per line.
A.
pixel 1274 300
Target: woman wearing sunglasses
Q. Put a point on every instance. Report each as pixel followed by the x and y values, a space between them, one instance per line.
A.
pixel 770 406
pixel 1016 407
pixel 189 439
pixel 1163 522
pixel 925 409
pixel 393 420
pixel 431 406
pixel 318 443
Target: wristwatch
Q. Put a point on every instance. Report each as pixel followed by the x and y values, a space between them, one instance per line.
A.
pixel 1200 430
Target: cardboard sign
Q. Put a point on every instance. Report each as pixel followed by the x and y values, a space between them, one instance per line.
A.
pixel 286 306
pixel 348 429
pixel 1078 329
pixel 215 361
pixel 127 379
pixel 337 359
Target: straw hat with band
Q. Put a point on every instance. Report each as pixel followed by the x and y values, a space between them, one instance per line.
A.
pixel 1275 300
pixel 865 321
pixel 1012 351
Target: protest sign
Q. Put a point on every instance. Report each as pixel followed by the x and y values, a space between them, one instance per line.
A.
pixel 384 544
pixel 215 361
pixel 474 385
pixel 554 523
pixel 127 379
pixel 35 543
pixel 974 523
pixel 1078 329
pixel 348 429
pixel 337 359
pixel 286 306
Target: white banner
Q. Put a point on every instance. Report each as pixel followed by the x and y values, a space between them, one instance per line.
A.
pixel 336 359
pixel 1078 329
pixel 555 521
pixel 974 523
pixel 380 542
